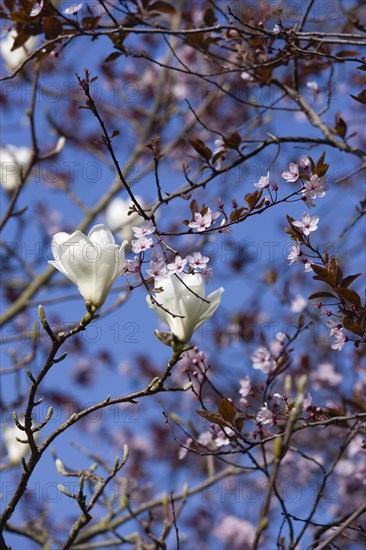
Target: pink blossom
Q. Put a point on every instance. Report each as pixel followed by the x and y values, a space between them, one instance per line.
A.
pixel 313 85
pixel 292 174
pixel 339 339
pixel 264 416
pixel 183 451
pixel 307 402
pixel 146 229
pixel 133 266
pixel 304 163
pixel 246 76
pixel 308 223
pixel 245 386
pixel 278 343
pixel 223 437
pixel 298 304
pixel 158 270
pixel 235 533
pixel 316 187
pixel 177 266
pixel 142 244
pixel 326 375
pixel 262 360
pixel 295 253
pixel 263 182
pixel 337 334
pixel 197 261
pixel 205 439
pixel 201 223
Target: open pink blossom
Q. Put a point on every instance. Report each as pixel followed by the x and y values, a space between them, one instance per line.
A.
pixel 158 270
pixel 201 223
pixel 197 261
pixel 292 174
pixel 146 229
pixel 316 187
pixel 142 244
pixel 223 437
pixel 263 360
pixel 177 266
pixel 295 253
pixel 265 416
pixel 298 304
pixel 263 182
pixel 307 224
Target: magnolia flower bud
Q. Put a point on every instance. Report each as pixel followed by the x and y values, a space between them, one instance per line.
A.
pixel 15 58
pixel 13 161
pixel 190 310
pixel 91 262
pixel 118 219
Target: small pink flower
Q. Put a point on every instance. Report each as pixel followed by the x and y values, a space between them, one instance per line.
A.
pixel 292 174
pixel 265 416
pixel 316 187
pixel 158 270
pixel 262 360
pixel 142 244
pixel 146 229
pixel 197 261
pixel 245 386
pixel 263 182
pixel 308 223
pixel 177 266
pixel 295 253
pixel 201 223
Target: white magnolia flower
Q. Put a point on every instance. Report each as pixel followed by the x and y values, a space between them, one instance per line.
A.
pixel 13 161
pixel 14 59
pixel 118 219
pixel 292 174
pixel 307 224
pixel 91 262
pixel 14 448
pixel 178 300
